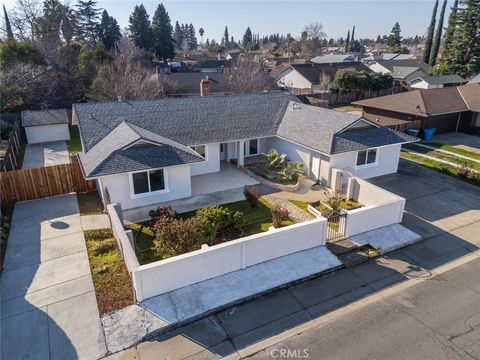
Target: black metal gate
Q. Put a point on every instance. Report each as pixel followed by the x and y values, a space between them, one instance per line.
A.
pixel 336 225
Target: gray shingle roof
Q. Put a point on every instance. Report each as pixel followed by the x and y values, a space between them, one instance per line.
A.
pixel 189 120
pixel 475 80
pixel 442 79
pixel 44 117
pixel 115 153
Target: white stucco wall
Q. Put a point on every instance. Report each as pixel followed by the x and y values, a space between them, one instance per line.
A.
pixel 294 152
pixel 387 162
pixel 292 79
pixel 118 186
pixel 211 165
pixel 47 133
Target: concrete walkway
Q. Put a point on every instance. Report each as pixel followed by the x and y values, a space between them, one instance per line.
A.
pixel 48 308
pixel 446 162
pixel 295 213
pixel 45 154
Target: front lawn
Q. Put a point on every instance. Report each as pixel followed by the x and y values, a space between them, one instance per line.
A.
pixel 111 280
pixel 74 145
pixel 255 220
pixel 442 156
pixel 454 149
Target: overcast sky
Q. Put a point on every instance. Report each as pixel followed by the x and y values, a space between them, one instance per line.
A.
pixel 371 18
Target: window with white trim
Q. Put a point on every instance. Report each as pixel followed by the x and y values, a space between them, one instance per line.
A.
pixel 366 157
pixel 199 149
pixel 251 147
pixel 148 181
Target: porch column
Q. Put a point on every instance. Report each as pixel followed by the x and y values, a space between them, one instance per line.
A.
pixel 241 153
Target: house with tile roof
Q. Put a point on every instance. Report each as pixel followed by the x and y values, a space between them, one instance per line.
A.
pixel 448 109
pixel 143 153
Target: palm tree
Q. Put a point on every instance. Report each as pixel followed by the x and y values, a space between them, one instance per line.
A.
pixel 201 32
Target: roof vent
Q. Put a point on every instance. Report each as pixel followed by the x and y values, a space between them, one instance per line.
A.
pixel 119 98
pixel 295 106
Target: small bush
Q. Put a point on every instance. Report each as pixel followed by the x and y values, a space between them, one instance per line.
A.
pixel 464 172
pixel 445 169
pixel 217 220
pixel 474 176
pixel 252 194
pixel 163 212
pixel 275 160
pixel 335 201
pixel 279 215
pixel 177 236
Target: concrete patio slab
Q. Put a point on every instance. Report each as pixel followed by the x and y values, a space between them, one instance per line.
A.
pixel 45 154
pixel 387 238
pixel 95 222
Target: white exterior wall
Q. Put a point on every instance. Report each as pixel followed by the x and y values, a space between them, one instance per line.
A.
pixel 178 182
pixel 212 153
pixel 294 152
pixel 387 163
pixel 47 133
pixel 183 270
pixel 291 78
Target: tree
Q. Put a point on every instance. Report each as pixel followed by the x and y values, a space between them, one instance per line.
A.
pixel 126 77
pixel 450 31
pixel 192 38
pixel 7 24
pixel 23 18
pixel 310 42
pixel 352 39
pixel 108 31
pixel 347 42
pixel 429 39
pixel 247 41
pixel 246 75
pixel 351 80
pixel 438 36
pixel 139 27
pixel 201 31
pixel 87 15
pixel 25 52
pixel 395 39
pixel 178 36
pixel 226 38
pixel 163 43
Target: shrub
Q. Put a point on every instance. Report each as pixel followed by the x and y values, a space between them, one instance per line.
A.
pixel 474 176
pixel 217 220
pixel 292 171
pixel 103 246
pixel 252 194
pixel 445 169
pixel 175 236
pixel 279 215
pixel 275 160
pixel 335 201
pixel 464 172
pixel 163 212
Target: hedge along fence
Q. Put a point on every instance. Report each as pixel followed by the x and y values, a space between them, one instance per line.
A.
pixel 170 274
pixel 381 207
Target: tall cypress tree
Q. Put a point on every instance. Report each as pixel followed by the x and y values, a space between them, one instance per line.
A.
pixel 247 39
pixel 429 39
pixel 192 38
pixel 226 38
pixel 108 31
pixel 7 24
pixel 139 27
pixel 438 36
pixel 163 42
pixel 352 38
pixel 450 31
pixel 347 42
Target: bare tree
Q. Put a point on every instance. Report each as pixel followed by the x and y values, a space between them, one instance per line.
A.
pixel 247 75
pixel 127 77
pixel 311 40
pixel 23 17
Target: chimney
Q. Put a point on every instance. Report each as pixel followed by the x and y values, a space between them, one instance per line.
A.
pixel 204 87
pixel 119 98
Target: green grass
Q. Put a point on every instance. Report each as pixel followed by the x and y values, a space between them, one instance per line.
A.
pixel 74 145
pixel 301 204
pixel 112 283
pixel 438 166
pixel 455 150
pixel 442 156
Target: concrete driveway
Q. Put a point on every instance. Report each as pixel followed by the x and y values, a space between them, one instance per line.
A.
pixel 45 154
pixel 48 306
pixel 460 140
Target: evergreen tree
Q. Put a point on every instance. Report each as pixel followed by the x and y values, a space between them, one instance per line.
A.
pixel 87 17
pixel 7 24
pixel 108 31
pixel 429 39
pixel 139 27
pixel 347 42
pixel 163 42
pixel 226 38
pixel 352 39
pixel 450 31
pixel 395 39
pixel 438 36
pixel 247 42
pixel 178 36
pixel 192 38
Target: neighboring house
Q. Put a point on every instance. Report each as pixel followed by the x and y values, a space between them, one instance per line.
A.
pixel 211 65
pixel 333 58
pixel 475 80
pixel 387 56
pixel 436 81
pixel 188 83
pixel 445 109
pixel 45 125
pixel 402 71
pixel 144 153
pixel 313 76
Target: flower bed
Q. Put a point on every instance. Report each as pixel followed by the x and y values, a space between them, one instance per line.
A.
pixel 254 220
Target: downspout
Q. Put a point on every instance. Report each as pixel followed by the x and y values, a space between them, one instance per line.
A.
pixel 458 122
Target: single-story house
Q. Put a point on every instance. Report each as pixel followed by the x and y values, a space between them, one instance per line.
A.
pixel 149 152
pixel 43 126
pixel 436 81
pixel 446 109
pixel 333 58
pixel 402 71
pixel 313 76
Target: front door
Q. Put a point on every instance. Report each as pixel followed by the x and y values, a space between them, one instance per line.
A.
pixel 223 151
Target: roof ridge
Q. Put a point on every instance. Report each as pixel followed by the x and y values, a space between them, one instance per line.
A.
pixel 423 101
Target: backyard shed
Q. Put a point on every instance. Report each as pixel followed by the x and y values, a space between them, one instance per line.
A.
pixel 45 125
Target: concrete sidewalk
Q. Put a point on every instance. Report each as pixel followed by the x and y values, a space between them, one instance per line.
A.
pixel 49 310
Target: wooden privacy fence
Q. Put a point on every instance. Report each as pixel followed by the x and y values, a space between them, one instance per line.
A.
pixel 37 183
pixel 12 159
